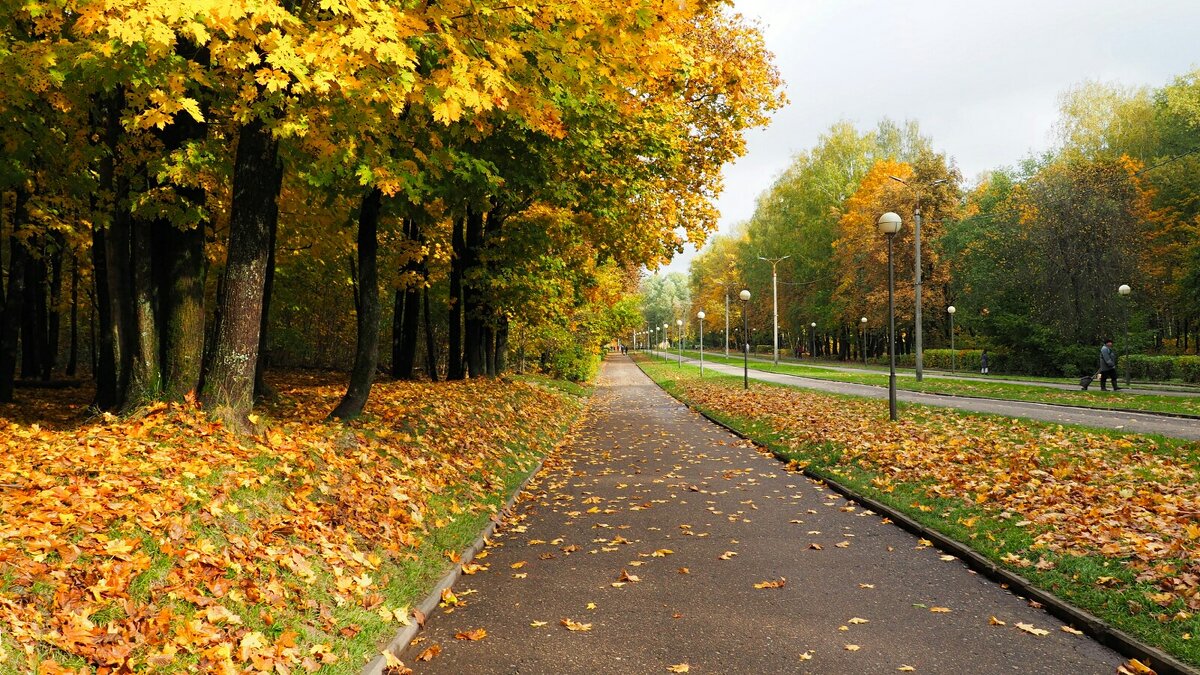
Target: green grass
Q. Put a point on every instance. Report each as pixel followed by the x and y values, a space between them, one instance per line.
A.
pixel 980 388
pixel 1126 605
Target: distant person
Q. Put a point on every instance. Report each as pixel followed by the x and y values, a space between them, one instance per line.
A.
pixel 983 362
pixel 1108 366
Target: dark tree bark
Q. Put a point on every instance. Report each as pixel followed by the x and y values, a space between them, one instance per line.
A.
pixel 472 295
pixel 145 375
pixel 489 351
pixel 183 309
pixel 54 319
pixel 501 358
pixel 228 383
pixel 33 331
pixel 105 343
pixel 366 353
pixel 11 325
pixel 397 333
pixel 261 388
pixel 73 356
pixel 412 307
pixel 454 356
pixel 431 358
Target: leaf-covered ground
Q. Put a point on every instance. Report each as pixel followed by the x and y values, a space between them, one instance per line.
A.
pixel 162 542
pixel 1039 496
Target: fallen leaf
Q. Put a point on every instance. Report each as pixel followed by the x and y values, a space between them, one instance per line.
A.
pixel 993 621
pixel 1029 628
pixel 857 620
pixel 727 555
pixel 538 624
pixel 575 625
pixel 1072 631
pixel 1134 667
pixel 852 648
pixel 906 669
pixel 806 656
pixel 679 668
pixel 472 635
pixel 430 652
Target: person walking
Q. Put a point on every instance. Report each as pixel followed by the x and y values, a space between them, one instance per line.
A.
pixel 1108 366
pixel 983 362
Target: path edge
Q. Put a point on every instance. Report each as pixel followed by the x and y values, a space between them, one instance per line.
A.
pixel 400 641
pixel 1120 641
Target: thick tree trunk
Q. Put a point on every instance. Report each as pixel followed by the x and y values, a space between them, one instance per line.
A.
pixel 11 325
pixel 73 356
pixel 145 376
pixel 454 357
pixel 501 358
pixel 489 351
pixel 183 310
pixel 366 353
pixel 431 359
pixel 472 296
pixel 105 343
pixel 228 383
pixel 54 320
pixel 32 330
pixel 261 388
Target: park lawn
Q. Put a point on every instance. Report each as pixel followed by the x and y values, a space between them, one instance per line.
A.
pixel 1008 391
pixel 1104 520
pixel 163 543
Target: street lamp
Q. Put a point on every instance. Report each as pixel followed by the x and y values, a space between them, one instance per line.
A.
pixel 679 339
pixel 917 270
pixel 813 340
pixel 700 315
pixel 745 296
pixel 863 346
pixel 666 337
pixel 1124 291
pixel 775 303
pixel 889 224
pixel 953 354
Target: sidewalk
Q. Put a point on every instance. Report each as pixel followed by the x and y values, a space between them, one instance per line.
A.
pixel 686 519
pixel 1132 422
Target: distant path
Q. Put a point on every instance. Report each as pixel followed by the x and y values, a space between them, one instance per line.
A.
pixel 651 488
pixel 1141 423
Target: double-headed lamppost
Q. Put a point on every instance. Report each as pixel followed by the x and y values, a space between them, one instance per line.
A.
pixel 700 315
pixel 889 224
pixel 679 339
pixel 775 303
pixel 745 296
pixel 863 346
pixel 1124 291
pixel 917 271
pixel 953 354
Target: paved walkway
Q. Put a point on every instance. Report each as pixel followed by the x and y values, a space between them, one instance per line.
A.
pixel 653 528
pixel 1142 423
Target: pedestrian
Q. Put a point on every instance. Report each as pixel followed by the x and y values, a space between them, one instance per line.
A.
pixel 1108 365
pixel 983 362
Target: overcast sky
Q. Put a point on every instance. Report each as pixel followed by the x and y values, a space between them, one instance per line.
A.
pixel 982 79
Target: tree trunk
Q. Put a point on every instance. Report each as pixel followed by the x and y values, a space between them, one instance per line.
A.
pixel 228 383
pixel 397 333
pixel 145 376
pixel 106 344
pixel 183 310
pixel 73 356
pixel 454 357
pixel 10 326
pixel 32 330
pixel 366 353
pixel 430 344
pixel 54 322
pixel 410 319
pixel 489 351
pixel 501 358
pixel 261 388
pixel 473 297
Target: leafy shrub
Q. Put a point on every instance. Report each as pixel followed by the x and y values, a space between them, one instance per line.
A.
pixel 1152 368
pixel 1187 368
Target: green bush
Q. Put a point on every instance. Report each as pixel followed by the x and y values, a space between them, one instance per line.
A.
pixel 941 359
pixel 1187 368
pixel 1152 368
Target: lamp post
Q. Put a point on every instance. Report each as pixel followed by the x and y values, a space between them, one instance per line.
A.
pixel 812 338
pixel 1124 291
pixel 863 346
pixel 917 271
pixel 889 224
pixel 953 354
pixel 679 339
pixel 700 315
pixel 745 296
pixel 666 336
pixel 775 303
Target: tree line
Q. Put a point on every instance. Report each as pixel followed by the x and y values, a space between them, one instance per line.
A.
pixel 1031 256
pixel 195 187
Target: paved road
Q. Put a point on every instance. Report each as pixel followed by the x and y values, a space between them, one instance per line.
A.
pixel 649 489
pixel 1142 423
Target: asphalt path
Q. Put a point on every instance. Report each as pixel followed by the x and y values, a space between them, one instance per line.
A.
pixel 649 532
pixel 1132 422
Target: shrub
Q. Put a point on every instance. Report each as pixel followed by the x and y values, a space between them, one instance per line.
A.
pixel 1152 368
pixel 1187 368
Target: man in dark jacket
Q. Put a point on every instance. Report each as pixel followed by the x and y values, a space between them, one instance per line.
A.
pixel 1108 366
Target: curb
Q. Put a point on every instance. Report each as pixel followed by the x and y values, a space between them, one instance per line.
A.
pixel 400 641
pixel 1118 640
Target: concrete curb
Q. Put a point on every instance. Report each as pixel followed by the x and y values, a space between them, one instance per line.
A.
pixel 1118 640
pixel 399 643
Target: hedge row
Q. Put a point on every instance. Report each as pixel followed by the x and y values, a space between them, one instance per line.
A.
pixel 1163 368
pixel 945 359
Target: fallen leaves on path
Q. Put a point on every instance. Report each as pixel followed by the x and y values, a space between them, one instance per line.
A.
pixel 679 668
pixel 778 583
pixel 575 625
pixel 472 635
pixel 1032 630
